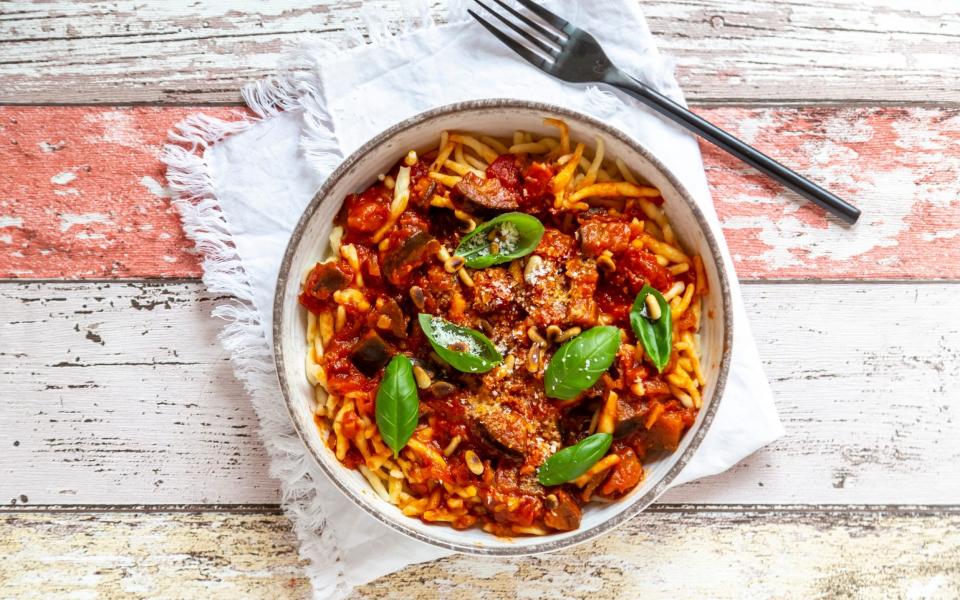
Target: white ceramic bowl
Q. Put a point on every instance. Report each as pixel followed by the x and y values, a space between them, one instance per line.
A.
pixel 309 243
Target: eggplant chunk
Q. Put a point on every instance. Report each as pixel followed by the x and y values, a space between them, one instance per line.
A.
pixel 488 193
pixel 370 354
pixel 416 250
pixel 325 279
pixel 398 321
pixel 629 419
pixel 563 513
pixel 499 429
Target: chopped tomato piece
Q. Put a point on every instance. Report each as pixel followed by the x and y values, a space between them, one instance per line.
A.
pixel 598 234
pixel 368 211
pixel 536 184
pixel 640 266
pixel 505 169
pixel 625 475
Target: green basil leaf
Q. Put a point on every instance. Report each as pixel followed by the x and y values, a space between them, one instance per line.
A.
pixel 573 461
pixel 656 336
pixel 462 348
pixel 517 234
pixel 579 363
pixel 398 405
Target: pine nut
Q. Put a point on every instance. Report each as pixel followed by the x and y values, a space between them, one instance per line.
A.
pixel 453 264
pixel 422 377
pixel 416 295
pixel 473 462
pixel 441 388
pixel 533 265
pixel 341 318
pixel 653 307
pixel 485 327
pixel 605 263
pixel 533 358
pixel 411 158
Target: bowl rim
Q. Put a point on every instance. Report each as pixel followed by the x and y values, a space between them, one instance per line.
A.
pixel 637 505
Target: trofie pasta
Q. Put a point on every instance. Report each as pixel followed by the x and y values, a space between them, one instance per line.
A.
pixel 504 331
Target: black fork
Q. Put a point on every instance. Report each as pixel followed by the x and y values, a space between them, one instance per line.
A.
pixel 572 54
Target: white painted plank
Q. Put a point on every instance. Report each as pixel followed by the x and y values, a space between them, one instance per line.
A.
pixel 865 377
pixel 702 554
pixel 120 393
pixel 177 50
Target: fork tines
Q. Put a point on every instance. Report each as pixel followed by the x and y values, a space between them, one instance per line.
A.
pixel 547 42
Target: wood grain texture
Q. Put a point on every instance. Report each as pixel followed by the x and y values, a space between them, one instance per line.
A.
pixel 118 393
pixel 710 553
pixel 121 52
pixel 107 556
pixel 83 195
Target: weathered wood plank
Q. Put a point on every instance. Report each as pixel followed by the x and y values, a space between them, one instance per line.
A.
pixel 124 393
pixel 152 555
pixel 87 52
pixel 825 50
pixel 82 193
pixel 716 554
pixel 118 393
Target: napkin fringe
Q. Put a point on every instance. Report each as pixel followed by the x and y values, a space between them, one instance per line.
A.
pixel 243 336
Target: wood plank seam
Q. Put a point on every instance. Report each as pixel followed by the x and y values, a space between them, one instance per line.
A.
pixel 917 510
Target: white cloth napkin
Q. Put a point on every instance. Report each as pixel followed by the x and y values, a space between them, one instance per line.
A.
pixel 242 196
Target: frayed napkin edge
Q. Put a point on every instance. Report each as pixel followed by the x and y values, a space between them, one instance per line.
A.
pixel 243 335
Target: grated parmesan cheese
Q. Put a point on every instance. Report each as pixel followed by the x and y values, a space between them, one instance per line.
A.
pixel 536 274
pixel 509 237
pixel 444 335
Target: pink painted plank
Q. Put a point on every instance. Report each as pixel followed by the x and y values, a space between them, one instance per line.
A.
pixel 82 196
pixel 900 166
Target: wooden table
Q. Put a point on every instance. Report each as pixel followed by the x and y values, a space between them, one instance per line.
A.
pixel 131 465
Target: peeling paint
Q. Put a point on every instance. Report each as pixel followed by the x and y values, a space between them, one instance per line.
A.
pixel 68 220
pixel 900 165
pixel 63 178
pixel 154 187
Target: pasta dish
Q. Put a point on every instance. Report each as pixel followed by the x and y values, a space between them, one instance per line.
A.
pixel 504 331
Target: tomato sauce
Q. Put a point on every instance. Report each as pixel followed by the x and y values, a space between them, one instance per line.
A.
pixel 503 415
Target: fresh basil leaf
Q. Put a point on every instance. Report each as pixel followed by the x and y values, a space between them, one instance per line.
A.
pixel 398 405
pixel 462 348
pixel 517 234
pixel 573 461
pixel 579 363
pixel 656 336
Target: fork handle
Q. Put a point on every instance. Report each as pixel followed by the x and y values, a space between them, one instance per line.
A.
pixel 748 154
